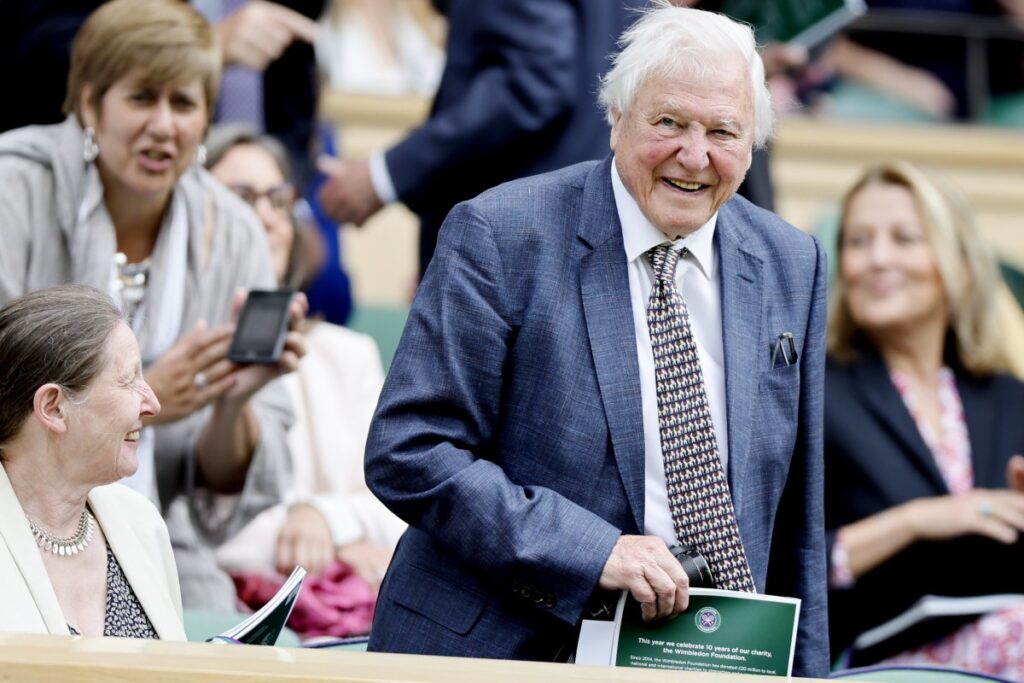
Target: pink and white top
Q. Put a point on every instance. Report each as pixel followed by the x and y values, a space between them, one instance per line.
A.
pixel 993 643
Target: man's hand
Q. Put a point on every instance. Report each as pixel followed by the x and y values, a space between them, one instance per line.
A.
pixel 256 34
pixel 173 377
pixel 644 566
pixel 304 539
pixel 348 195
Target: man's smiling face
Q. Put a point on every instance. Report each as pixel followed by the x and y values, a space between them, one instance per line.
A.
pixel 684 145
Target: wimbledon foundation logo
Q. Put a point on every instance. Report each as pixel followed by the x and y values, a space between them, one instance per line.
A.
pixel 708 619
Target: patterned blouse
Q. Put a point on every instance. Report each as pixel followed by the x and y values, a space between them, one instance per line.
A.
pixel 125 617
pixel 993 643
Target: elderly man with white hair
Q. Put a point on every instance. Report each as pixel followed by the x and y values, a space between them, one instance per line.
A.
pixel 606 361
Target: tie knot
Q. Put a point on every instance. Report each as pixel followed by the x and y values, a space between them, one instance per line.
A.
pixel 664 259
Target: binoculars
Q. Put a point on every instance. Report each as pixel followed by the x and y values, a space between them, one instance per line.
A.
pixel 695 566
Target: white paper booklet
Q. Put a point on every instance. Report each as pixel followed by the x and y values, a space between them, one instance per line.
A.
pixel 263 626
pixel 935 606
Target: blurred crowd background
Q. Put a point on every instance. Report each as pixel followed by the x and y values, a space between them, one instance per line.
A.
pixel 315 90
pixel 937 82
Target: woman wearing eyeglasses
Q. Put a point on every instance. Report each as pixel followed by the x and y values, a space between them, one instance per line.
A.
pixel 330 514
pixel 116 197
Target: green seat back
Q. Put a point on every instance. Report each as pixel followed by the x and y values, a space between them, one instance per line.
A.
pixel 1015 281
pixel 384 324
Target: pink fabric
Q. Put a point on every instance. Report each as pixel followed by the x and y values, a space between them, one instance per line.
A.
pixel 336 603
pixel 994 643
pixel 952 448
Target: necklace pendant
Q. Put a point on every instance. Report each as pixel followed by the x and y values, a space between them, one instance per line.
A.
pixel 65 547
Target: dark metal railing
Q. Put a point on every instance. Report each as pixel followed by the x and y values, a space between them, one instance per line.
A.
pixel 976 31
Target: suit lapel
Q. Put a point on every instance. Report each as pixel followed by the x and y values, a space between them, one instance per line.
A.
pixel 604 287
pixel 742 318
pixel 16 534
pixel 980 414
pixel 881 398
pixel 142 575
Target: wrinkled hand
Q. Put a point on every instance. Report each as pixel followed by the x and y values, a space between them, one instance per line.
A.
pixel 348 195
pixel 644 566
pixel 304 539
pixel 367 560
pixel 173 376
pixel 248 379
pixel 997 514
pixel 259 32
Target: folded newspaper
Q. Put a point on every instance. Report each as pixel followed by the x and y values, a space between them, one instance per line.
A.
pixel 930 606
pixel 263 626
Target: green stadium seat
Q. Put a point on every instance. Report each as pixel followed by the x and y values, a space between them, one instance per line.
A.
pixel 384 324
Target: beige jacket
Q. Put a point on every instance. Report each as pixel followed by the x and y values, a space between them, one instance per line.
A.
pixel 137 537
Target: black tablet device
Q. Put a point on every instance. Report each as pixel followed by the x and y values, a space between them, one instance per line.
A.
pixel 262 326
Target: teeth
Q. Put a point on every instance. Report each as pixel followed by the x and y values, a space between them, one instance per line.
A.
pixel 684 185
pixel 132 436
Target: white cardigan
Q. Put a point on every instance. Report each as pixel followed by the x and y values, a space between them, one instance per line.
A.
pixel 138 538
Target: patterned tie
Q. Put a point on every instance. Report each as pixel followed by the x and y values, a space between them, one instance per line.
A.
pixel 698 493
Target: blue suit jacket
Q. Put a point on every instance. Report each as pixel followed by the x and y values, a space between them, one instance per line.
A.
pixel 517 97
pixel 509 432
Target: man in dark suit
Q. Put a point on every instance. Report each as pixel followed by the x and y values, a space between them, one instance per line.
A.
pixel 517 97
pixel 555 405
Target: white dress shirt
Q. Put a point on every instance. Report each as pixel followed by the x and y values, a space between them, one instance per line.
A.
pixel 380 178
pixel 697 281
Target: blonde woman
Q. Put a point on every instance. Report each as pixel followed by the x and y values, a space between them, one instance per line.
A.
pixel 923 428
